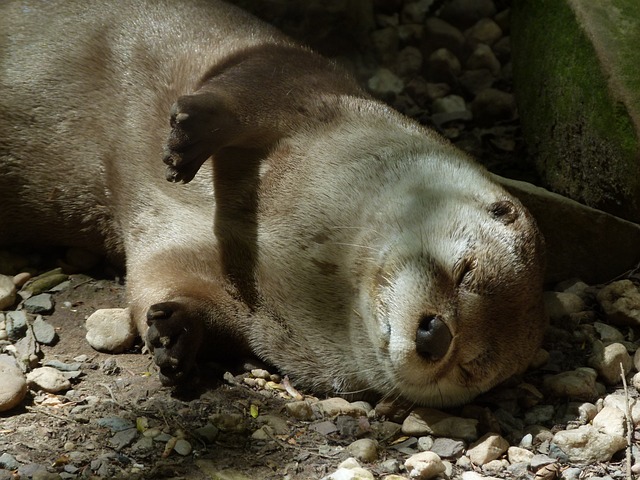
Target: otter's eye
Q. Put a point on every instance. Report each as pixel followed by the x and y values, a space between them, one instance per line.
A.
pixel 504 211
pixel 463 270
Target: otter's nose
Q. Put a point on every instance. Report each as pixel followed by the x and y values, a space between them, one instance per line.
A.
pixel 433 338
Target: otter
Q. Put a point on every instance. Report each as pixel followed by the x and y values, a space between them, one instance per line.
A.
pixel 345 244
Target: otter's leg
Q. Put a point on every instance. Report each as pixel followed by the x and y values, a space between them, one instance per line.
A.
pixel 186 318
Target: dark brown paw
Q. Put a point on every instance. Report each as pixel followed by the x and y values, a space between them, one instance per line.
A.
pixel 175 336
pixel 199 126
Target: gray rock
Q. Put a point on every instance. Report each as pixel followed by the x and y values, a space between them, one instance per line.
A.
pixel 467 12
pixel 182 447
pixel 449 104
pixel 326 427
pixel 115 424
pixel 486 31
pixel 426 443
pixel 27 351
pixel 579 384
pixel 607 333
pixel 586 444
pixel 491 105
pixel 438 33
pixel 560 305
pixel 539 415
pixel 385 84
pixel 620 301
pixel 364 450
pixel 13 386
pixel 7 292
pixel 409 61
pixel 63 367
pixel 123 439
pixel 48 379
pixel 483 57
pixel 39 304
pixel 110 330
pixel 9 462
pixel 443 66
pixel 571 473
pixel 43 331
pixel 518 455
pixel 16 324
pixel 300 409
pixel 447 447
pixel 208 433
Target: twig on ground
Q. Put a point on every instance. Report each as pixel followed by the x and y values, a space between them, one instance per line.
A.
pixel 629 419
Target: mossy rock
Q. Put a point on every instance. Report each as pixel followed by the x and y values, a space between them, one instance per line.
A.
pixel 577 84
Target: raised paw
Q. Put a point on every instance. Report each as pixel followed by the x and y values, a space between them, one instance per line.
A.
pixel 175 336
pixel 200 125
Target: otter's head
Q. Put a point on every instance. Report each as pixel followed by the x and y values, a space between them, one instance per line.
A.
pixel 453 305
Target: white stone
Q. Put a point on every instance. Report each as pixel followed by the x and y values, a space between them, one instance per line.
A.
pixel 495 467
pixel 110 330
pixel 607 359
pixel 350 469
pixel 560 305
pixel 339 406
pixel 424 465
pixel 13 386
pixel 301 410
pixel 619 401
pixel 476 476
pixel 7 292
pixel 385 82
pixel 610 420
pixel 48 379
pixel 488 447
pixel 586 444
pixel 429 421
pixel 519 455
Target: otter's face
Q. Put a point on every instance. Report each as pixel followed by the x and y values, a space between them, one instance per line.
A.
pixel 455 305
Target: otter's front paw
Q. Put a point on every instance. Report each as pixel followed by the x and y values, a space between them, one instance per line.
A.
pixel 200 124
pixel 175 334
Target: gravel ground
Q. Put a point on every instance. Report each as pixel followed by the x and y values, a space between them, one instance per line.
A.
pixel 78 413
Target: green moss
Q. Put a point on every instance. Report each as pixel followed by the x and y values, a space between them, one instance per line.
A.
pixel 583 140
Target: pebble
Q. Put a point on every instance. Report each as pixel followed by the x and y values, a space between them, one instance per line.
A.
pixel 488 447
pixel 21 278
pixel 620 302
pixel 110 330
pixel 43 331
pixel 208 433
pixel 228 422
pixel 339 406
pixel 586 444
pixel 438 33
pixel 519 455
pixel 350 469
pixel 364 450
pixel 424 465
pixel 560 305
pixel 13 386
pixel 384 83
pixel 301 410
pixel 486 31
pixel 607 333
pixel 428 421
pixel 39 304
pixel 63 367
pixel 449 104
pixel 48 379
pixel 579 384
pixel 446 447
pixel 7 292
pixel 182 447
pixel 115 424
pixel 16 324
pixel 123 438
pixel 607 360
pixel 483 58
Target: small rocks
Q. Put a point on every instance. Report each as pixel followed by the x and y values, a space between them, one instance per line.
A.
pixel 350 469
pixel 43 331
pixel 48 379
pixel 110 330
pixel 13 386
pixel 182 447
pixel 39 304
pixel 16 324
